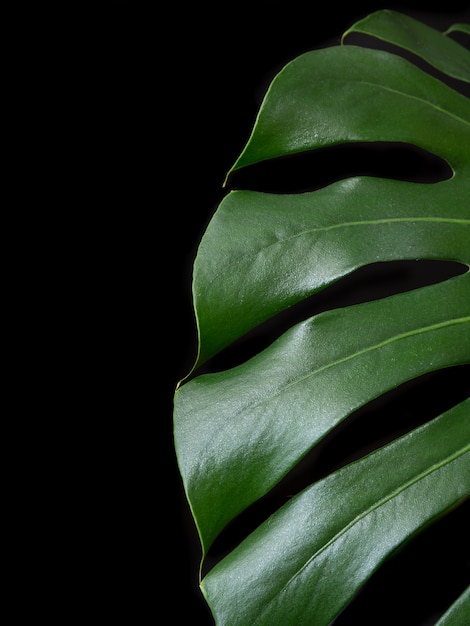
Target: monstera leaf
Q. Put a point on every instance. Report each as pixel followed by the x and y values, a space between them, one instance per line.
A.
pixel 240 431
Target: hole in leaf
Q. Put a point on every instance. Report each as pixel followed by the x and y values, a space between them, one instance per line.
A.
pixel 311 170
pixel 392 415
pixel 379 422
pixel 375 281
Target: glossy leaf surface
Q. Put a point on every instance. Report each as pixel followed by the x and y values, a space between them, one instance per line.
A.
pixel 240 431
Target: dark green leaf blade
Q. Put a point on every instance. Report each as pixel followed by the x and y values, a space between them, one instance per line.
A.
pixel 311 557
pixel 436 48
pixel 350 94
pixel 458 28
pixel 239 432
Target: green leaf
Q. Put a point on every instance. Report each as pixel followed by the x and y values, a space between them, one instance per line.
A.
pixel 434 47
pixel 350 94
pixel 239 432
pixel 306 561
pixel 462 28
pixel 457 614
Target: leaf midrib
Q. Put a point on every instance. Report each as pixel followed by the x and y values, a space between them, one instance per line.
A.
pixel 352 224
pixel 392 220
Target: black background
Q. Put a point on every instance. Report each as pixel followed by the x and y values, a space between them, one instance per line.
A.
pixel 176 90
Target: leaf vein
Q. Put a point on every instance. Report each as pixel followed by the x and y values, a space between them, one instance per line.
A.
pixel 381 344
pixel 412 97
pixel 437 220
